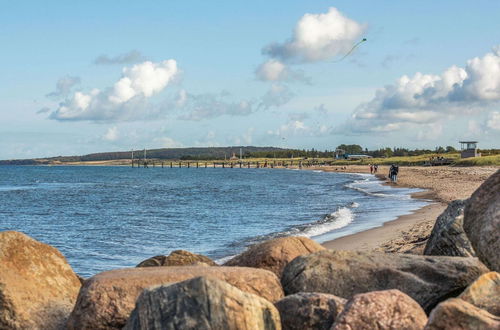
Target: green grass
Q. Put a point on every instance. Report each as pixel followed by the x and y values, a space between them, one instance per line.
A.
pixel 479 161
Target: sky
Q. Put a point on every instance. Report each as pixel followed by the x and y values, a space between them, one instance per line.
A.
pixel 94 76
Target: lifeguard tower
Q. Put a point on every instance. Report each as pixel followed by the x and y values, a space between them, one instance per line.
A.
pixel 469 149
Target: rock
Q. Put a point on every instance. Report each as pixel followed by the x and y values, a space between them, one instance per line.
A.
pixel 458 314
pixel 275 254
pixel 426 279
pixel 309 310
pixel 202 303
pixel 448 237
pixel 106 299
pixel 484 293
pixel 389 309
pixel 177 258
pixel 482 221
pixel 38 288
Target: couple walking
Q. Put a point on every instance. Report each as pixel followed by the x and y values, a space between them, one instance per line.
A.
pixel 393 172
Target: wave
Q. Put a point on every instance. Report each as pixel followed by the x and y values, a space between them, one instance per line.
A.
pixel 374 188
pixel 336 220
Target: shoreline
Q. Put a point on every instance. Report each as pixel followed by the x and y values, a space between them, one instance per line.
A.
pixel 375 238
pixel 408 233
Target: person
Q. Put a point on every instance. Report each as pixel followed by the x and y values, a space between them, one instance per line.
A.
pixel 391 172
pixel 396 171
pixel 371 169
pixel 375 168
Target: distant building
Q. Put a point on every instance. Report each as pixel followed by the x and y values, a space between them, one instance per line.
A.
pixel 233 157
pixel 469 149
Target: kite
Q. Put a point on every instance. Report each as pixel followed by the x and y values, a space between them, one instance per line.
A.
pixel 350 51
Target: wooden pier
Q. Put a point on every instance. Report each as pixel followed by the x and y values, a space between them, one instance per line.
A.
pixel 142 163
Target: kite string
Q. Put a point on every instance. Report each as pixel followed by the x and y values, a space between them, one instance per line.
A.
pixel 350 51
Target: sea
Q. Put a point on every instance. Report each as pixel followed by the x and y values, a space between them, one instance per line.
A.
pixel 108 217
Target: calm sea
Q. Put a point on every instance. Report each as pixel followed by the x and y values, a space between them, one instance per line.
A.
pixel 103 218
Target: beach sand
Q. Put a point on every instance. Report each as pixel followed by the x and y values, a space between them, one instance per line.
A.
pixel 408 233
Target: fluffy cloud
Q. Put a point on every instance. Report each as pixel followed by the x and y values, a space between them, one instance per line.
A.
pixel 167 142
pixel 274 70
pixel 125 100
pixel 276 96
pixel 493 121
pixel 133 56
pixel 111 134
pixel 426 98
pixel 318 37
pixel 64 86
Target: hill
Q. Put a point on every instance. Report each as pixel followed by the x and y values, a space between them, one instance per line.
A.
pixel 202 153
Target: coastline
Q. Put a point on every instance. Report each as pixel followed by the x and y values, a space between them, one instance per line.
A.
pixel 408 233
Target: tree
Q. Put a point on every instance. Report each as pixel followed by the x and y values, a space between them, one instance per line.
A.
pixel 450 149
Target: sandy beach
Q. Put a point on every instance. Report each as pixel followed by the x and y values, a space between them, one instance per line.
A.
pixel 409 233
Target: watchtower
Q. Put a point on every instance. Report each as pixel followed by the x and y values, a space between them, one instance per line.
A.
pixel 469 149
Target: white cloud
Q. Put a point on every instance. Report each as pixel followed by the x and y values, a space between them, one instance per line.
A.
pixel 125 100
pixel 64 86
pixel 318 37
pixel 246 138
pixel 132 56
pixel 427 98
pixel 167 142
pixel 493 121
pixel 276 96
pixel 271 70
pixel 111 134
pixel 274 70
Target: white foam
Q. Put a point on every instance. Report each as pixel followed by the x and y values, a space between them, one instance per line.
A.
pixel 336 220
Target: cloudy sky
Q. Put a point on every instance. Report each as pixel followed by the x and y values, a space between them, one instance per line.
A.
pixel 114 75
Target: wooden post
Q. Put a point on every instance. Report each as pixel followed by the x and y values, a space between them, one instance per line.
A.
pixel 223 164
pixel 180 164
pixel 189 164
pixel 258 165
pixel 214 164
pixel 197 165
pixel 232 164
pixel 240 164
pixel 248 164
pixel 205 164
pixel 171 164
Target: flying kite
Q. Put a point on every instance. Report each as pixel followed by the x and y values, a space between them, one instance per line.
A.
pixel 350 51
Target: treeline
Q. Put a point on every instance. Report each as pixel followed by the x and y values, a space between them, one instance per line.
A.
pixel 355 149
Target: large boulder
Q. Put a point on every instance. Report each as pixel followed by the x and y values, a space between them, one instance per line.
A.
pixel 484 293
pixel 309 310
pixel 428 280
pixel 106 299
pixel 38 288
pixel 275 254
pixel 482 221
pixel 448 237
pixel 177 258
pixel 458 314
pixel 202 303
pixel 389 309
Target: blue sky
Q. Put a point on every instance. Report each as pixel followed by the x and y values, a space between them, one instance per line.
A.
pixel 115 75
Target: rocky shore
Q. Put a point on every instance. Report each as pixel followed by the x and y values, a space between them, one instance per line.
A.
pixel 451 282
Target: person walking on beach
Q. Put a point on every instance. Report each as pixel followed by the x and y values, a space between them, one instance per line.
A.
pixel 391 172
pixel 375 168
pixel 396 171
pixel 371 169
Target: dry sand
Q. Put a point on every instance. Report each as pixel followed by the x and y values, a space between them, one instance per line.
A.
pixel 408 233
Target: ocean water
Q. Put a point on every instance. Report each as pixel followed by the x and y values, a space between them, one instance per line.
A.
pixel 103 218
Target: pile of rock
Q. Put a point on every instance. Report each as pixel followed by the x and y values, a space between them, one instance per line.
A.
pixel 286 283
